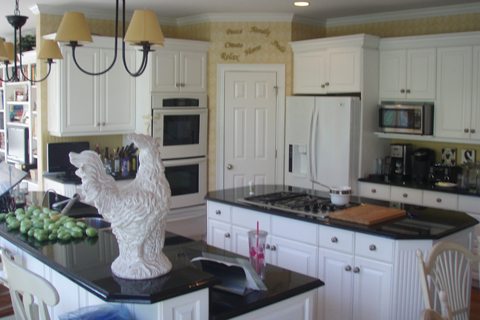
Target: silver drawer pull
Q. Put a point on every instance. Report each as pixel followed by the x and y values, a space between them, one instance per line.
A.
pixel 267 246
pixel 273 248
pixel 227 235
pixel 348 268
pixel 408 90
pixel 356 270
pixel 402 90
pixel 327 84
pixel 218 212
pixel 374 190
pixel 466 130
pixel 334 239
pixel 372 247
pixel 472 130
pixel 439 200
pixel 405 195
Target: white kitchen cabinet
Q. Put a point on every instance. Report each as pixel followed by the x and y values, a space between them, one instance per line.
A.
pixel 330 65
pixel 359 270
pixel 406 195
pixel 374 190
pixel 408 74
pixel 475 124
pixel 80 104
pixel 219 234
pixel 178 70
pixel 293 255
pixel 453 108
pixel 441 200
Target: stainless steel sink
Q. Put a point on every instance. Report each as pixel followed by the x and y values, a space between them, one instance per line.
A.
pixel 96 222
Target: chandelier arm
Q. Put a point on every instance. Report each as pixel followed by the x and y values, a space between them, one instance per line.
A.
pixel 9 78
pixel 75 45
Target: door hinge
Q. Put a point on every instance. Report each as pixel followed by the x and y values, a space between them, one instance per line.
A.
pixel 276 90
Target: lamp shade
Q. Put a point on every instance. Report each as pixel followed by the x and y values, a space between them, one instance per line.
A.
pixel 73 27
pixel 144 28
pixel 49 50
pixel 10 51
pixel 3 51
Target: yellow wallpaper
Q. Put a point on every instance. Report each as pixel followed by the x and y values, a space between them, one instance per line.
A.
pixel 443 24
pixel 301 31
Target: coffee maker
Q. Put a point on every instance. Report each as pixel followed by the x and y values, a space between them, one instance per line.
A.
pixel 422 160
pixel 400 162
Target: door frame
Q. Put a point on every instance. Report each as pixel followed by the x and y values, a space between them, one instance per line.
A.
pixel 222 69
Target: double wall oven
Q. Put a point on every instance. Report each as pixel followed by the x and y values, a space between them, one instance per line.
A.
pixel 179 121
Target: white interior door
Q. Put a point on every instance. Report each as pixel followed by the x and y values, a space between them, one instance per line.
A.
pixel 249 137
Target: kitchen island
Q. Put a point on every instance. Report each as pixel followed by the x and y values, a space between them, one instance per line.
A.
pixel 80 271
pixel 370 271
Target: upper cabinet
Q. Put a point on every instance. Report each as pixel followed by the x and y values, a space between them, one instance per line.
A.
pixel 80 104
pixel 179 70
pixel 330 65
pixel 407 74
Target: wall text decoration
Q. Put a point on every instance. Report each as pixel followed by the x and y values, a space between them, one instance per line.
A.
pixel 234 31
pixel 230 56
pixel 233 45
pixel 265 31
pixel 252 50
pixel 277 45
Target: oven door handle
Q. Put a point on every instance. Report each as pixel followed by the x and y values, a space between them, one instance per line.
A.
pixel 175 162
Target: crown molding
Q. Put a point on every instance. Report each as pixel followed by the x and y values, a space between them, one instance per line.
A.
pixel 405 14
pixel 237 17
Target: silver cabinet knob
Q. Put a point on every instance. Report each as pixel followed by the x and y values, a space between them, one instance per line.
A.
pixel 356 270
pixel 273 248
pixel 227 235
pixel 405 195
pixel 327 84
pixel 218 212
pixel 98 124
pixel 267 246
pixel 439 200
pixel 402 90
pixel 372 247
pixel 103 124
pixel 374 190
pixel 472 130
pixel 229 166
pixel 466 130
pixel 322 86
pixel 334 239
pixel 348 268
pixel 408 90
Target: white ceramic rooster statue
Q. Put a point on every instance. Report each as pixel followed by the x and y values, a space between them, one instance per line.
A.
pixel 137 211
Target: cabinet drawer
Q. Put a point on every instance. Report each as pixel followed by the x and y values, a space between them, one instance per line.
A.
pixel 440 200
pixel 337 239
pixel 374 191
pixel 294 229
pixel 248 219
pixel 469 204
pixel 406 195
pixel 219 211
pixel 374 247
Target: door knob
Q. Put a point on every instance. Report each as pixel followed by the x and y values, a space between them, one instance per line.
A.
pixel 229 166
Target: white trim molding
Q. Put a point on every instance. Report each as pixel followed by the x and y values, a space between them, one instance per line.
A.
pixel 222 69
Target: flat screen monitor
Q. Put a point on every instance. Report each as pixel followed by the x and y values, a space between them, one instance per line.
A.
pixel 58 159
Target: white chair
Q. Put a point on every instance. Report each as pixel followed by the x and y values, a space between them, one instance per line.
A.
pixel 29 292
pixel 446 279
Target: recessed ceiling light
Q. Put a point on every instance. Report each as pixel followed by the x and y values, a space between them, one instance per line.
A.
pixel 301 3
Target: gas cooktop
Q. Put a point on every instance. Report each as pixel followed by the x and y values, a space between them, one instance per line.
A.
pixel 295 202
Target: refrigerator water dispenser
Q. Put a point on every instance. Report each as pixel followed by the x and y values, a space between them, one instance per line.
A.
pixel 298 160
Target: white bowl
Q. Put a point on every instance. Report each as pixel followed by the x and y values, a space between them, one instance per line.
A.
pixel 340 196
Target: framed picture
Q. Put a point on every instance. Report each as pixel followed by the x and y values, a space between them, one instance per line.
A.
pixel 467 155
pixel 449 156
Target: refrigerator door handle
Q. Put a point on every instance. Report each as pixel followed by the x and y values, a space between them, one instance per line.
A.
pixel 312 144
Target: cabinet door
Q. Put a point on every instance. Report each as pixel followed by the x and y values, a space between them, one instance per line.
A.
pixel 475 126
pixel 310 72
pixel 240 240
pixel 393 74
pixel 118 94
pixel 80 101
pixel 293 255
pixel 454 92
pixel 166 73
pixel 372 283
pixel 193 71
pixel 421 74
pixel 406 195
pixel 344 70
pixel 335 298
pixel 374 190
pixel 219 234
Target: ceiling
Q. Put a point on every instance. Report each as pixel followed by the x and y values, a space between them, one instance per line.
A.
pixel 318 9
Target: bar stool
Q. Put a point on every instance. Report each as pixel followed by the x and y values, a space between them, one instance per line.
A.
pixel 25 288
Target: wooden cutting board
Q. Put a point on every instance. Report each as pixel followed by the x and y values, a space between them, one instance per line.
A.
pixel 367 214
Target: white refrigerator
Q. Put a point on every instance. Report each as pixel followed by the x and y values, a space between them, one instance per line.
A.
pixel 322 137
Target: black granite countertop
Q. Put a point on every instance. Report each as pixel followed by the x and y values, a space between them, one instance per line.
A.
pixel 185 276
pixel 419 223
pixel 415 185
pixel 62 178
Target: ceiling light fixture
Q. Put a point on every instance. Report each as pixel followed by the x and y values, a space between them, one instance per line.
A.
pixel 301 3
pixel 11 52
pixel 143 30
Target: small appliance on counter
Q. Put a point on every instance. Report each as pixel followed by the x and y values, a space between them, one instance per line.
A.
pixel 443 175
pixel 400 162
pixel 422 160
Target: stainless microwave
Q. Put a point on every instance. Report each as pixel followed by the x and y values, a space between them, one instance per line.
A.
pixel 411 118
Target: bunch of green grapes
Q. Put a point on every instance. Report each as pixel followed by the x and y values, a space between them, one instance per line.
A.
pixel 44 224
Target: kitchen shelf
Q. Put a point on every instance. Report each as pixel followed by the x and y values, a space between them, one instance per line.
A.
pixel 413 137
